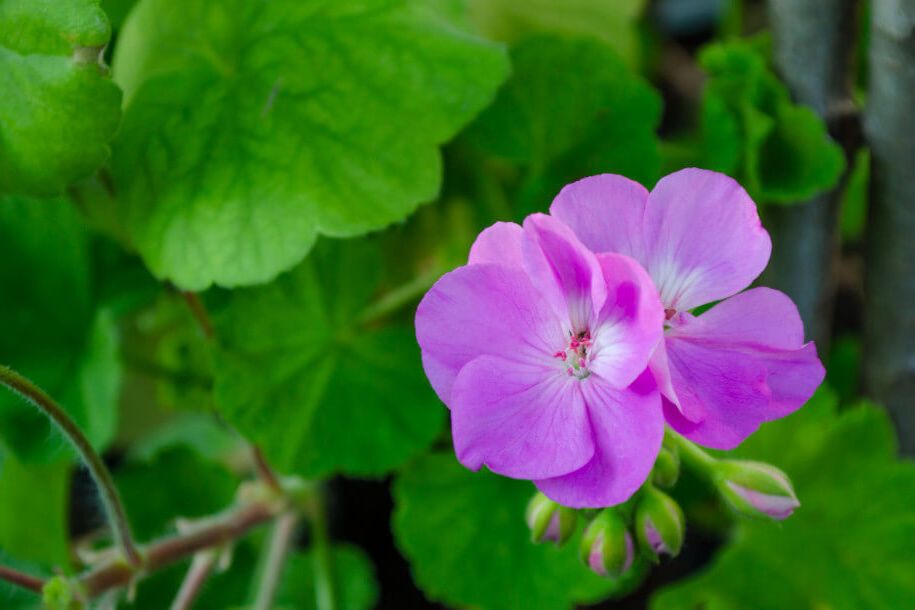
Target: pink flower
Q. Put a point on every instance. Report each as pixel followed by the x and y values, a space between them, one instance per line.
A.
pixel 540 349
pixel 742 362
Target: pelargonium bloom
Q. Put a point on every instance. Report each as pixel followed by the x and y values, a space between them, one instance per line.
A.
pixel 540 349
pixel 744 360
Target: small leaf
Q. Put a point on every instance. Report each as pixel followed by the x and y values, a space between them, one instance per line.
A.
pixel 468 544
pixel 779 151
pixel 178 483
pixel 251 128
pixel 301 375
pixel 58 110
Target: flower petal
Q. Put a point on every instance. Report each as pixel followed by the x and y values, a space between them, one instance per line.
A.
pixel 498 244
pixel 629 325
pixel 703 238
pixel 765 324
pixel 723 393
pixel 563 269
pixel 483 309
pixel 605 212
pixel 628 429
pixel 519 420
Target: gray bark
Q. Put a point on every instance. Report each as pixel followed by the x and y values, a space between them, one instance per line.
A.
pixel 889 340
pixel 813 44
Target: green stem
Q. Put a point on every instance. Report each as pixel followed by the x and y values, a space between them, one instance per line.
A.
pixel 692 455
pixel 325 594
pixel 399 297
pixel 114 508
pixel 280 541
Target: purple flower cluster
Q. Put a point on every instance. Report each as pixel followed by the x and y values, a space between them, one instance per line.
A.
pixel 565 345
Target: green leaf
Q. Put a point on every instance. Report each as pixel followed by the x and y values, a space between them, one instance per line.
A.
pixel 16 598
pixel 849 545
pixel 354 580
pixel 571 109
pixel 613 23
pixel 253 127
pixel 318 389
pixel 34 506
pixel 466 538
pixel 53 332
pixel 177 483
pixel 59 110
pixel 779 151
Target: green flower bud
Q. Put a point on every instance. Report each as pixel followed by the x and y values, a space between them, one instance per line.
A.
pixel 756 489
pixel 666 468
pixel 659 524
pixel 548 520
pixel 606 546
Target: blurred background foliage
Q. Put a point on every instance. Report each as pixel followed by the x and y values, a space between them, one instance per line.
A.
pixel 252 139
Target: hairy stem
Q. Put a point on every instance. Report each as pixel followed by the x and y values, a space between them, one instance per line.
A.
pixel 111 500
pixel 325 592
pixel 264 471
pixel 212 533
pixel 21 579
pixel 280 542
pixel 195 305
pixel 197 574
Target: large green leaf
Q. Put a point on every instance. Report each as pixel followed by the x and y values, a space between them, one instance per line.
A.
pixel 613 23
pixel 851 544
pixel 58 110
pixel 302 375
pixel 251 127
pixel 779 151
pixel 465 536
pixel 53 331
pixel 570 109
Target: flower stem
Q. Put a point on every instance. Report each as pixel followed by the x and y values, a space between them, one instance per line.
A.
pixel 201 566
pixel 21 579
pixel 111 500
pixel 691 454
pixel 214 532
pixel 283 533
pixel 325 593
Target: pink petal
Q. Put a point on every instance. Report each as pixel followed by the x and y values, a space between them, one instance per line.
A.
pixel 757 336
pixel 519 420
pixel 566 273
pixel 499 244
pixel 629 325
pixel 628 429
pixel 703 238
pixel 605 212
pixel 483 309
pixel 724 391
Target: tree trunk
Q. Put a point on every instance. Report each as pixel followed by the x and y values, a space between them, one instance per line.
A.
pixel 812 48
pixel 889 340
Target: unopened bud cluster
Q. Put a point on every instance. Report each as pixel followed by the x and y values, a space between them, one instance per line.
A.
pixel 614 538
pixel 651 523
